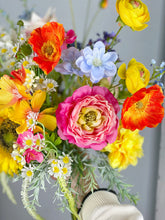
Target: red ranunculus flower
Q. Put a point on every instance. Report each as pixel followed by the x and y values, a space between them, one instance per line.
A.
pixel 143 109
pixel 46 42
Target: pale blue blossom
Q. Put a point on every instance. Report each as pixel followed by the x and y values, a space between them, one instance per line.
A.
pixel 97 64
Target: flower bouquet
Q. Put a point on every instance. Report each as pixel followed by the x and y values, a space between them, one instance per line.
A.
pixel 60 102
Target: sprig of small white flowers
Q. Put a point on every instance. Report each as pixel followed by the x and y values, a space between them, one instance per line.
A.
pixel 60 167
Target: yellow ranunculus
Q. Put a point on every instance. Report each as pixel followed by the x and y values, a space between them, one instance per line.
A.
pixel 133 13
pixel 126 149
pixel 136 75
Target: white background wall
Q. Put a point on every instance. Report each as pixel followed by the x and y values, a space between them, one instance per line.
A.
pixel 143 46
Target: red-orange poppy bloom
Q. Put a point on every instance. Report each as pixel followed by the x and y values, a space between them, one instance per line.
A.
pixel 143 109
pixel 46 42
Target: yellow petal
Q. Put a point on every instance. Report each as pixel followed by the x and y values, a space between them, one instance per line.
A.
pixel 122 71
pixel 49 111
pixel 22 128
pixel 48 121
pixel 38 100
pixel 131 62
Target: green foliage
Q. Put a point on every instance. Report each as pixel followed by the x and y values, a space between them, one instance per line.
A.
pixel 114 180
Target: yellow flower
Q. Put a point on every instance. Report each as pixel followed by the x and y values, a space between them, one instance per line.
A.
pixel 126 149
pixel 11 93
pixel 136 75
pixel 28 115
pixel 8 137
pixel 133 13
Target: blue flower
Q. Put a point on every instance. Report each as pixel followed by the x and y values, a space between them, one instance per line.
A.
pixel 68 66
pixel 97 64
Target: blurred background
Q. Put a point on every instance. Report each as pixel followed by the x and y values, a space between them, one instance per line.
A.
pixel 147 177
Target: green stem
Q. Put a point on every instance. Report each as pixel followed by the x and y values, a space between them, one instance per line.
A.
pixel 26 202
pixel 73 18
pixel 86 18
pixel 6 188
pixel 90 26
pixel 111 45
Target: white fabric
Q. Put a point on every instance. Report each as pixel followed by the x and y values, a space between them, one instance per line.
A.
pixel 104 205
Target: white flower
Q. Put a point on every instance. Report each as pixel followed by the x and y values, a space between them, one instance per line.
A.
pixel 66 159
pixel 18 157
pixel 50 85
pixel 55 170
pixel 153 61
pixel 28 173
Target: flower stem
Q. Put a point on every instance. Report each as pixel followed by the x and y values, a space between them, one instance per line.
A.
pixel 69 197
pixel 73 18
pixel 90 26
pixel 6 188
pixel 26 202
pixel 111 45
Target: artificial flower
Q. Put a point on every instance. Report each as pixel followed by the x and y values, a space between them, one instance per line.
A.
pixel 7 163
pixel 46 42
pixel 8 137
pixel 88 118
pixel 36 21
pixel 32 154
pixel 134 13
pixel 11 93
pixel 143 109
pixel 126 149
pixel 69 38
pixel 28 116
pixel 103 4
pixel 68 66
pixel 96 63
pixel 136 75
pixel 28 173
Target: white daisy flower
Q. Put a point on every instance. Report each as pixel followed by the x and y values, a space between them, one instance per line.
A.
pixel 28 173
pixel 18 157
pixel 50 85
pixel 55 171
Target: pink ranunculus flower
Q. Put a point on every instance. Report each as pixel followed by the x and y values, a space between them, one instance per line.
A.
pixel 88 118
pixel 31 154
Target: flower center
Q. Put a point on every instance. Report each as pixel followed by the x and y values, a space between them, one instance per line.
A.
pixel 28 142
pixel 50 85
pixel 97 62
pixel 16 93
pixel 48 49
pixel 139 105
pixel 66 159
pixel 135 3
pixel 56 170
pixel 89 118
pixel 29 173
pixel 64 170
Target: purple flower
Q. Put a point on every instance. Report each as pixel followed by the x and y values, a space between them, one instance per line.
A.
pixel 97 64
pixel 68 66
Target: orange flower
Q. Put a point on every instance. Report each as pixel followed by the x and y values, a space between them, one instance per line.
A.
pixel 28 116
pixel 47 42
pixel 11 92
pixel 143 109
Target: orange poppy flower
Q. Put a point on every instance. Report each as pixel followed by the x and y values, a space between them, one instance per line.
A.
pixel 28 115
pixel 143 109
pixel 46 42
